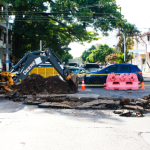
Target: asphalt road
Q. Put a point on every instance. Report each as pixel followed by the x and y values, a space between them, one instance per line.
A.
pixel 117 93
pixel 25 127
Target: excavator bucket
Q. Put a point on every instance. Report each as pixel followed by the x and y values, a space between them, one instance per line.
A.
pixel 6 80
pixel 73 81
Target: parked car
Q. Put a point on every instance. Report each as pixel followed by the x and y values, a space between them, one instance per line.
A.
pixel 115 68
pixel 101 67
pixel 91 67
pixel 77 70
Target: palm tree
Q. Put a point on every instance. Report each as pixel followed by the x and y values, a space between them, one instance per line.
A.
pixel 129 43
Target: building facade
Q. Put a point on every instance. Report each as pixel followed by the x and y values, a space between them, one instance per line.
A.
pixel 3 41
pixel 142 52
pixel 3 45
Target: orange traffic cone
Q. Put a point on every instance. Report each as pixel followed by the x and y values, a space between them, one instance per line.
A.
pixel 83 85
pixel 142 86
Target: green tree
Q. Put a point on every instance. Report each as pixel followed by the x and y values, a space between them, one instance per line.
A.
pixel 86 53
pixel 119 57
pixel 100 53
pixel 66 58
pixel 62 25
pixel 130 32
pixel 129 43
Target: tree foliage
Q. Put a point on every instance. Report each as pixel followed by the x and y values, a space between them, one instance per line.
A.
pixel 94 54
pixel 100 53
pixel 119 57
pixel 59 22
pixel 66 58
pixel 86 53
pixel 129 43
pixel 112 57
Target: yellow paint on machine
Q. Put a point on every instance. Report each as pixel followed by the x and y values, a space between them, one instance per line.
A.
pixel 44 72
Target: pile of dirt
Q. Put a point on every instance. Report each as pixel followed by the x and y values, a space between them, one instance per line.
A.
pixel 35 84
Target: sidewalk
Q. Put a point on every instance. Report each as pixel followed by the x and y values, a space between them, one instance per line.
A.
pixel 146 77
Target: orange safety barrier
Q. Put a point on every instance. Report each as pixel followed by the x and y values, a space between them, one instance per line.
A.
pixel 142 87
pixel 122 82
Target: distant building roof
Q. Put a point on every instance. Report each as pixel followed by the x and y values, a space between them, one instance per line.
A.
pixel 147 33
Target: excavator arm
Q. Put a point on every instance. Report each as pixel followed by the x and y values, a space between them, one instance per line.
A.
pixel 31 60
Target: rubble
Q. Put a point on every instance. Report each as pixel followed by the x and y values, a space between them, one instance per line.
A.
pixel 125 107
pixel 130 107
pixel 134 108
pixel 45 105
pixel 124 101
pixel 98 103
pixel 60 105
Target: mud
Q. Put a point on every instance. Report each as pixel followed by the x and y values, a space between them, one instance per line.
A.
pixel 35 84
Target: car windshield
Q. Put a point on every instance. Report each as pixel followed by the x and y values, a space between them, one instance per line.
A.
pixel 92 69
pixel 91 66
pixel 111 68
pixel 72 64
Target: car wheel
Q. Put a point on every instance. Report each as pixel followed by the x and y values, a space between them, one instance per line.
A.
pixel 140 80
pixel 97 81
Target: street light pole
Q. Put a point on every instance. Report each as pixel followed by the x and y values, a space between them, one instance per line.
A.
pixel 124 47
pixel 7 52
pixel 41 48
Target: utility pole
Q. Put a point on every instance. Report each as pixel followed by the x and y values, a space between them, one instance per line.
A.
pixel 41 47
pixel 7 52
pixel 124 47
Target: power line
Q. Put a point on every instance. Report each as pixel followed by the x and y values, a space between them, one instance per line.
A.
pixel 23 12
pixel 95 5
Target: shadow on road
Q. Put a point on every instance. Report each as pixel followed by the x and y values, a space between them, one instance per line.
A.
pixel 7 106
pixel 89 114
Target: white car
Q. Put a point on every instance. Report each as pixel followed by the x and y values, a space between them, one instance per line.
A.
pixel 91 67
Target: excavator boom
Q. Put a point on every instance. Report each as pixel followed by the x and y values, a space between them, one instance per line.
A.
pixel 33 59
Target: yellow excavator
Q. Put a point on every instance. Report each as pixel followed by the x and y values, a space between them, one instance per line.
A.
pixel 33 59
pixel 6 81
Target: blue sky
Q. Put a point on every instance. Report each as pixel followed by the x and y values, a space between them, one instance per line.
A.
pixel 135 11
